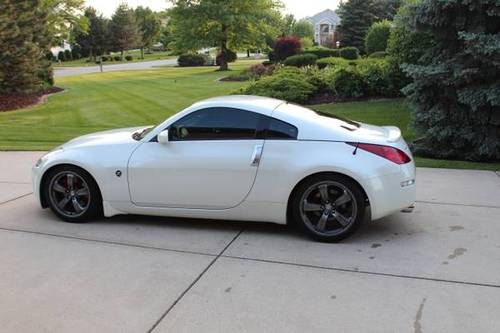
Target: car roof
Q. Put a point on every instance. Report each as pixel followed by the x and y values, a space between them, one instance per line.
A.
pixel 253 103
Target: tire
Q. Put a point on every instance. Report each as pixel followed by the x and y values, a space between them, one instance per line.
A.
pixel 328 207
pixel 72 194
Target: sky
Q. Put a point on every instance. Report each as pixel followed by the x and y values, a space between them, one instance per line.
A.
pixel 299 8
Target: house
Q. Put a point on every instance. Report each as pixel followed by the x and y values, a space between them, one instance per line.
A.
pixel 325 25
pixel 62 47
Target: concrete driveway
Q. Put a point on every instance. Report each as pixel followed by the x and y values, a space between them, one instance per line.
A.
pixel 68 71
pixel 434 270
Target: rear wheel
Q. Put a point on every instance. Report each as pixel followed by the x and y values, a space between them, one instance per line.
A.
pixel 73 194
pixel 328 207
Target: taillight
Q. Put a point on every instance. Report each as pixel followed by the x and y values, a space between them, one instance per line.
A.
pixel 392 154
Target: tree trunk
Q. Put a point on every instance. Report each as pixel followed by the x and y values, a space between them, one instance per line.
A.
pixel 121 54
pixel 223 50
pixel 142 52
pixel 91 55
pixel 248 53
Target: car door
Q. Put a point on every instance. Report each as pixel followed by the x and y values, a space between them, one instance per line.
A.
pixel 210 161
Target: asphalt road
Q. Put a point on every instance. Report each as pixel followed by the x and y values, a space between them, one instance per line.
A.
pixel 68 71
pixel 434 270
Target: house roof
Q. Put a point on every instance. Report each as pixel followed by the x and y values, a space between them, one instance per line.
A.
pixel 326 16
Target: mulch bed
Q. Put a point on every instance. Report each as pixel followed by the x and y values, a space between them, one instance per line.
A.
pixel 10 102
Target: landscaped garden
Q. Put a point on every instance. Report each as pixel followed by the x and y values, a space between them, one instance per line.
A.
pixel 96 102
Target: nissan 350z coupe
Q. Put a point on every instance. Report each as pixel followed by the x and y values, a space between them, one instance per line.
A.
pixel 235 158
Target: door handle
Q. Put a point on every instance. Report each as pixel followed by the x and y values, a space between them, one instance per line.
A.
pixel 256 156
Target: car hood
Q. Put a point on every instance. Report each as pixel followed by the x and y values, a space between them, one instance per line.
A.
pixel 112 137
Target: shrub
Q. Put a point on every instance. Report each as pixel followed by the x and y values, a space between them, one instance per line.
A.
pixel 257 70
pixel 322 52
pixel 347 82
pixel 301 60
pixel 331 62
pixel 306 42
pixel 267 63
pixel 379 54
pixel 61 56
pixel 117 58
pixel 75 54
pixel 377 36
pixel 104 58
pixel 191 60
pixel 378 78
pixel 350 53
pixel 230 57
pixel 286 47
pixel 129 58
pixel 67 55
pixel 287 87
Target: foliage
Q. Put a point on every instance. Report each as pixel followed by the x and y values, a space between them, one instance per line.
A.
pixel 306 42
pixel 228 57
pixel 117 58
pixel 289 87
pixel 331 62
pixel 347 82
pixel 285 47
pixel 94 41
pixel 149 27
pixel 123 29
pixel 350 53
pixel 129 58
pixel 378 77
pixel 191 60
pixel 358 15
pixel 233 24
pixel 455 95
pixel 379 54
pixel 63 18
pixel 24 43
pixel 301 60
pixel 67 55
pixel 322 52
pixel 303 29
pixel 377 37
pixel 61 56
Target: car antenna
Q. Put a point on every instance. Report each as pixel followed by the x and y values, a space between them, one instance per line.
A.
pixel 356 149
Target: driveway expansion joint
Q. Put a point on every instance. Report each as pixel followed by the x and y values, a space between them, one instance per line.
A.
pixel 347 270
pixel 107 242
pixel 456 204
pixel 14 199
pixel 192 284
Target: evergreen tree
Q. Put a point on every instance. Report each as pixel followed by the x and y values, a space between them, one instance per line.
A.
pixel 455 96
pixel 93 42
pixel 123 30
pixel 357 16
pixel 24 43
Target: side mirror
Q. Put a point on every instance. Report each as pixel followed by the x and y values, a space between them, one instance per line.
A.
pixel 163 137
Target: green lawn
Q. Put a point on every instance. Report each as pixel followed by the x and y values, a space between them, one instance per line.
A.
pixel 136 54
pixel 100 101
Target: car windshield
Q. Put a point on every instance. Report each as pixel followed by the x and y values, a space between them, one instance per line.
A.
pixel 139 135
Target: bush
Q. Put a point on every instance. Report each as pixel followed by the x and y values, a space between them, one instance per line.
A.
pixel 286 87
pixel 377 36
pixel 104 58
pixel 331 62
pixel 378 78
pixel 301 60
pixel 379 54
pixel 322 52
pixel 230 57
pixel 67 55
pixel 267 63
pixel 75 54
pixel 61 56
pixel 191 60
pixel 117 58
pixel 350 53
pixel 129 58
pixel 347 82
pixel 306 42
pixel 286 47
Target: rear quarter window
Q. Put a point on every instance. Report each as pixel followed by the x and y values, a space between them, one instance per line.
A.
pixel 280 130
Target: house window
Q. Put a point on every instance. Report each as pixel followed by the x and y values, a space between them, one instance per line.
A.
pixel 325 28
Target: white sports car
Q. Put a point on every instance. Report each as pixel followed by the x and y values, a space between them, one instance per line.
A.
pixel 235 158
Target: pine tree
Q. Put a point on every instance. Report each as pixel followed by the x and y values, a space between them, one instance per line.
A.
pixel 124 31
pixel 24 43
pixel 455 96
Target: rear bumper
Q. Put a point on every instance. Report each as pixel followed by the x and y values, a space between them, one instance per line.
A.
pixel 391 193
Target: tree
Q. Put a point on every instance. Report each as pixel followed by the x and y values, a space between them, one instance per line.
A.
pixel 286 25
pixel 286 47
pixel 93 42
pixel 356 17
pixel 123 29
pixel 149 27
pixel 24 43
pixel 64 17
pixel 227 24
pixel 377 36
pixel 303 29
pixel 455 94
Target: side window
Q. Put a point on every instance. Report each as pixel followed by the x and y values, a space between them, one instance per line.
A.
pixel 279 130
pixel 216 124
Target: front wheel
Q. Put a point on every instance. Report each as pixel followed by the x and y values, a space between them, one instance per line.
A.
pixel 329 208
pixel 73 195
